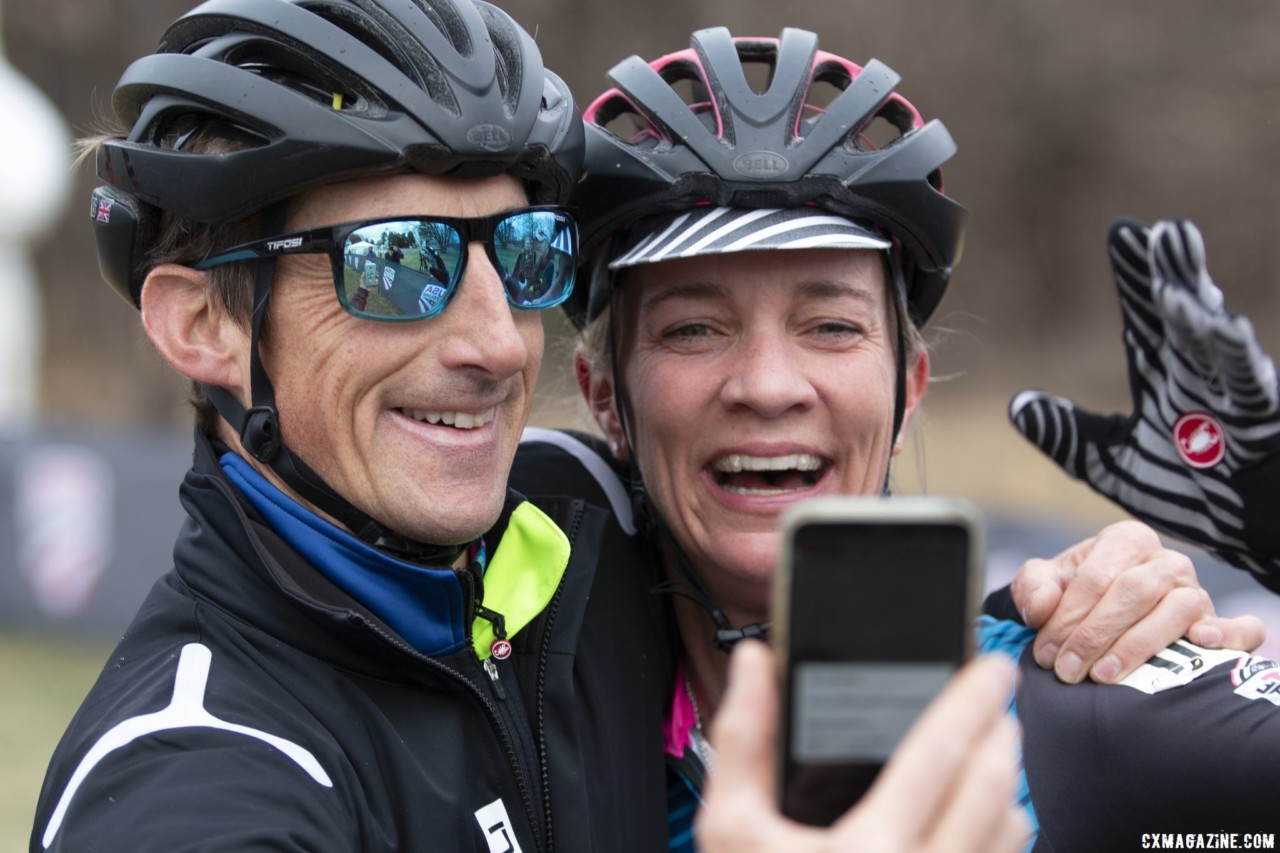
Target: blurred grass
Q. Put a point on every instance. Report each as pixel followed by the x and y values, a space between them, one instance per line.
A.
pixel 42 681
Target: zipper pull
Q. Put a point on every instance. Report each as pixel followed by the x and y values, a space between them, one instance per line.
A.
pixel 492 668
pixel 500 648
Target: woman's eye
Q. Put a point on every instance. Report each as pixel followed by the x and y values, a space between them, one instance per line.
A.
pixel 688 331
pixel 835 329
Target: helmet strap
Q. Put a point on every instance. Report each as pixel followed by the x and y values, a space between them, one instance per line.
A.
pixel 649 522
pixel 898 292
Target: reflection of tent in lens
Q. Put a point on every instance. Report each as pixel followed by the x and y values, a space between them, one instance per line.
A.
pixel 562 242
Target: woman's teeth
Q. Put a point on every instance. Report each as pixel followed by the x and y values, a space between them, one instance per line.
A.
pixel 735 462
pixel 767 475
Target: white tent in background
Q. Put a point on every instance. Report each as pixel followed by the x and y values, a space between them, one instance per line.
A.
pixel 562 241
pixel 38 149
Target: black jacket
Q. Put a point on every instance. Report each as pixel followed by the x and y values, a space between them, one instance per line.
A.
pixel 1183 752
pixel 288 683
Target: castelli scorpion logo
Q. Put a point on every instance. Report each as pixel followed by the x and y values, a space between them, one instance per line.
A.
pixel 1199 439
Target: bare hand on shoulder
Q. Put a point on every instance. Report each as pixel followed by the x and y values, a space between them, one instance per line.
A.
pixel 1105 605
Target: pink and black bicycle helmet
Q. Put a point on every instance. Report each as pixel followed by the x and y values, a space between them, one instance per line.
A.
pixel 697 134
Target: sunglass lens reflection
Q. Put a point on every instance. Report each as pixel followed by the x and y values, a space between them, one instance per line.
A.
pixel 535 258
pixel 400 270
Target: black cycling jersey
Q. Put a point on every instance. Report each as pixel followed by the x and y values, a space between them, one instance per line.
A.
pixel 1187 744
pixel 254 704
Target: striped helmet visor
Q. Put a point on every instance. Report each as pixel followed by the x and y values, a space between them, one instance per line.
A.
pixel 725 230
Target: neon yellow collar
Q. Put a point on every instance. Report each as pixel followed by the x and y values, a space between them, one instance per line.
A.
pixel 523 574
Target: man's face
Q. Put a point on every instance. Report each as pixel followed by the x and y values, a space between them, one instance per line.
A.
pixel 415 424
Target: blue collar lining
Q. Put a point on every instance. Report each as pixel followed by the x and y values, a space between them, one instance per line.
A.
pixel 423 605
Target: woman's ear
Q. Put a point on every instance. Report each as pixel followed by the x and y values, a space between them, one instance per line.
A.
pixel 196 337
pixel 917 380
pixel 597 390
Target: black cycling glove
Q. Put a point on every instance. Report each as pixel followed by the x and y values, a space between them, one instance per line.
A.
pixel 1199 457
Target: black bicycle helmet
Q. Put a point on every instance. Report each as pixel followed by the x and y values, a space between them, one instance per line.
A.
pixel 698 134
pixel 314 92
pixel 323 91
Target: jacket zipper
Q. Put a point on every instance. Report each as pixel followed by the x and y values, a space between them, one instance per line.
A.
pixel 498 716
pixel 575 522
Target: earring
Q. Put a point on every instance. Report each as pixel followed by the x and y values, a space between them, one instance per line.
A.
pixel 897 444
pixel 613 448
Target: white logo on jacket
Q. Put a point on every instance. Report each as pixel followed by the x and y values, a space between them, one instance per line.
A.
pixel 185 710
pixel 496 827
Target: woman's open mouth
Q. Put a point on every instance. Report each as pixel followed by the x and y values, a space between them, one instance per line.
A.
pixel 768 475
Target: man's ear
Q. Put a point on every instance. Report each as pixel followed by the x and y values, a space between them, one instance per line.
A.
pixel 597 390
pixel 196 337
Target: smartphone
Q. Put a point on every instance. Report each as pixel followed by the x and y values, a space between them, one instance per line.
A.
pixel 873 612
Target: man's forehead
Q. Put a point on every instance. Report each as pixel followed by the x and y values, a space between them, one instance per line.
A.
pixel 405 193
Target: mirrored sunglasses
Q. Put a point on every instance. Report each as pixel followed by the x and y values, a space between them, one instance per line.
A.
pixel 408 267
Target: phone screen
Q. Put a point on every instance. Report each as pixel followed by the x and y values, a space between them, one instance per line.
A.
pixel 877 625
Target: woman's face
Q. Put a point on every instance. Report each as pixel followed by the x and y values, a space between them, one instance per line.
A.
pixel 757 379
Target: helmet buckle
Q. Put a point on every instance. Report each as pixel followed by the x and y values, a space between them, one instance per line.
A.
pixel 259 433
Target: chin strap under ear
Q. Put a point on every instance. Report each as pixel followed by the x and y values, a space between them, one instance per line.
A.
pixel 259 430
pixel 893 269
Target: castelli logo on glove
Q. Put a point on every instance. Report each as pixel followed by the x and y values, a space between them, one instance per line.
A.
pixel 1199 439
pixel 761 164
pixel 490 137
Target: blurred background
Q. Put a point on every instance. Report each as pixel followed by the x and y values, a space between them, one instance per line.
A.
pixel 1068 114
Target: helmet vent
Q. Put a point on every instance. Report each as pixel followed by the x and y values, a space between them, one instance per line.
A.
pixel 759 75
pixel 821 92
pixel 201 133
pixel 303 77
pixel 446 19
pixel 877 134
pixel 619 117
pixel 686 79
pixel 386 37
pixel 507 54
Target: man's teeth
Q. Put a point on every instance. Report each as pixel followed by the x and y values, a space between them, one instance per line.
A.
pixel 737 462
pixel 457 420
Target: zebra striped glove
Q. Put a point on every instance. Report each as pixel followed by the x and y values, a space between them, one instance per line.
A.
pixel 1199 457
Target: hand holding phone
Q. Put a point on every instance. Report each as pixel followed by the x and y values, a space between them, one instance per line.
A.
pixel 873 610
pixel 930 797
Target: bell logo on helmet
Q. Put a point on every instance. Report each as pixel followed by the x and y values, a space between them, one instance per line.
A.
pixel 490 137
pixel 760 164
